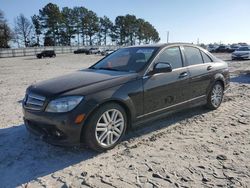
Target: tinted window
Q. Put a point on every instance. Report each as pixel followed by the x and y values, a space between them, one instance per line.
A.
pixel 193 55
pixel 172 56
pixel 206 58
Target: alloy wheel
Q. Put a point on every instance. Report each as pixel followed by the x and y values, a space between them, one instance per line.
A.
pixel 109 127
pixel 217 94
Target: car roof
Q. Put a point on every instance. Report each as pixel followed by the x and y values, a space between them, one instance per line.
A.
pixel 161 45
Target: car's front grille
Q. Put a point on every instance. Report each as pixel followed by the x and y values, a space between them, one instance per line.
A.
pixel 34 102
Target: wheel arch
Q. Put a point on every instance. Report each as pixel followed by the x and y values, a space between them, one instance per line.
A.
pixel 217 78
pixel 123 104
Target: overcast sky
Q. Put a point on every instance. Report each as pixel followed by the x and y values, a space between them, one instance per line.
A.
pixel 226 21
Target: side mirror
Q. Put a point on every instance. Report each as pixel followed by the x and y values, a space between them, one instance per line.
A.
pixel 162 67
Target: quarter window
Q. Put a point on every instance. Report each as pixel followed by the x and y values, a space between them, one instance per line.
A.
pixel 205 57
pixel 172 56
pixel 193 55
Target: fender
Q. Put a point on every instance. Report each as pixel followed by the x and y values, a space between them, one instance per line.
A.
pixel 216 77
pixel 129 96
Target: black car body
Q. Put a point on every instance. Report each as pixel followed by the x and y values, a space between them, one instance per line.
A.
pixel 46 53
pixel 124 89
pixel 223 49
pixel 81 51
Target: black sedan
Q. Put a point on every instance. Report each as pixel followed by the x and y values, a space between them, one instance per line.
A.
pixel 46 53
pixel 81 51
pixel 96 106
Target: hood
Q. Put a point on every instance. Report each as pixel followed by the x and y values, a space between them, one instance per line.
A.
pixel 241 52
pixel 76 80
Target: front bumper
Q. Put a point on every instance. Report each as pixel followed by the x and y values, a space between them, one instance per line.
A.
pixel 246 56
pixel 56 129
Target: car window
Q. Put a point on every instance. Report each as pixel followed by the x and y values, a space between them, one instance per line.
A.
pixel 206 58
pixel 171 55
pixel 127 59
pixel 193 55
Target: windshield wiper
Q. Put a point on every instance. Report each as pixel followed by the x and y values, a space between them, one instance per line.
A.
pixel 107 68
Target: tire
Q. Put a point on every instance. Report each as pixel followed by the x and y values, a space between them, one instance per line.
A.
pixel 107 134
pixel 215 96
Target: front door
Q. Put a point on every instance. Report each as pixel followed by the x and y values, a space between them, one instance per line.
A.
pixel 165 90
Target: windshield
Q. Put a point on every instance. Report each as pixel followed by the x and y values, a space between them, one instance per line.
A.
pixel 127 59
pixel 243 49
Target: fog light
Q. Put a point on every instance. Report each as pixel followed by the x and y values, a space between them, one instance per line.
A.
pixel 79 118
pixel 57 133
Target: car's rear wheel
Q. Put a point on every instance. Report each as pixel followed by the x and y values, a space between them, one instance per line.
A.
pixel 105 127
pixel 215 96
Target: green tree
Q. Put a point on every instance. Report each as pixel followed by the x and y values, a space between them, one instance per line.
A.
pixel 79 14
pixel 38 28
pixel 68 25
pixel 61 26
pixel 129 30
pixel 141 30
pixel 114 35
pixel 90 22
pixel 50 17
pixel 120 29
pixel 5 32
pixel 131 26
pixel 106 26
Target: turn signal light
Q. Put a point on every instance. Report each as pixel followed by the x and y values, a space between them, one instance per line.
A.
pixel 79 118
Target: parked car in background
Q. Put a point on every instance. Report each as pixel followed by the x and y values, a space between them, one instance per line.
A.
pixel 94 51
pixel 241 53
pixel 234 47
pixel 107 52
pixel 222 49
pixel 243 44
pixel 212 47
pixel 46 53
pixel 96 106
pixel 81 51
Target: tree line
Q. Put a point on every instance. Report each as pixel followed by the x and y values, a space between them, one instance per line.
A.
pixel 78 25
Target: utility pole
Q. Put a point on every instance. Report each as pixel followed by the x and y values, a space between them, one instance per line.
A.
pixel 167 36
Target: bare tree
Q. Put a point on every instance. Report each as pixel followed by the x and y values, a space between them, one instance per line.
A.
pixel 23 30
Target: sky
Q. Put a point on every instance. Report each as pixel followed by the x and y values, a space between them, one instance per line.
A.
pixel 222 21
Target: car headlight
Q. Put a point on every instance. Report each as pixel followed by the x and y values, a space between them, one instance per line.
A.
pixel 64 104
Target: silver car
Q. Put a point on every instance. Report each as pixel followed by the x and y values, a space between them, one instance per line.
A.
pixel 241 53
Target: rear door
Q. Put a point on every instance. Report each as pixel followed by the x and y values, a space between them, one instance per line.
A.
pixel 200 67
pixel 165 90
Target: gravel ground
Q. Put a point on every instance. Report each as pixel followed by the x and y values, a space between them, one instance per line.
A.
pixel 193 148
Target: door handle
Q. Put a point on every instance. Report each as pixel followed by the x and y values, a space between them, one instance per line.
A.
pixel 183 74
pixel 209 67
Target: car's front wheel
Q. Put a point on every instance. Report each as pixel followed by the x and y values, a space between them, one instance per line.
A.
pixel 106 127
pixel 215 96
